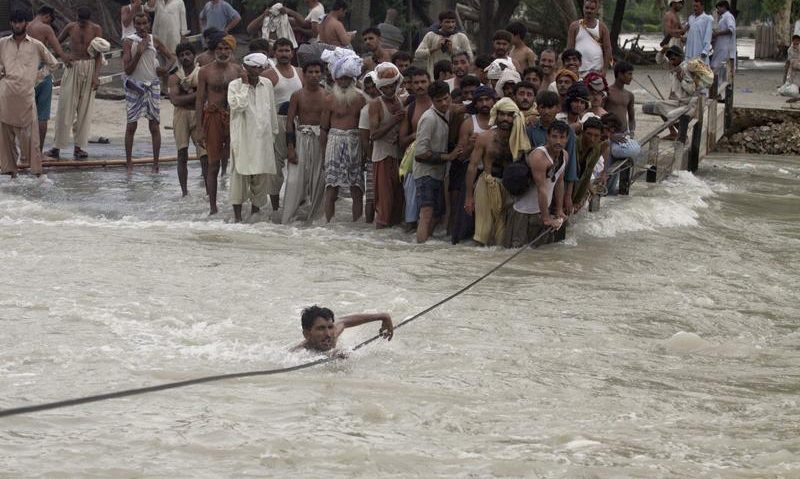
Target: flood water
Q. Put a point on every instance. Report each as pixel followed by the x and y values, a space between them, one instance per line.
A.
pixel 661 340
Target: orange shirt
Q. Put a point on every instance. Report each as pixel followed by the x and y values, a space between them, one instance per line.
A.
pixel 19 73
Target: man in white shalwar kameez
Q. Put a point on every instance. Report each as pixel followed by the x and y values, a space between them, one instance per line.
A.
pixel 254 124
pixel 698 35
pixel 169 24
pixel 724 39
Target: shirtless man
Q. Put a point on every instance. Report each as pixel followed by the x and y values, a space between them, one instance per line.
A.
pixel 331 30
pixel 303 143
pixel 493 151
pixel 183 96
pixel 408 135
pixel 520 52
pixel 373 44
pixel 463 226
pixel 547 62
pixel 671 23
pixel 40 29
pixel 212 109
pixel 620 101
pixel 340 137
pixel 307 26
pixel 286 79
pixel 78 85
pixel 207 56
pixel 321 332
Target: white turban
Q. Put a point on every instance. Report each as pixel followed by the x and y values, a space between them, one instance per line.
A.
pixel 495 70
pixel 98 46
pixel 506 77
pixel 256 60
pixel 386 74
pixel 342 62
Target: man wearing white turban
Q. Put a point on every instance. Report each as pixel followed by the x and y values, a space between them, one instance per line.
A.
pixel 254 124
pixel 386 113
pixel 339 136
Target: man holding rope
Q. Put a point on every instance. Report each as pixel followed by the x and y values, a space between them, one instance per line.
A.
pixel 321 332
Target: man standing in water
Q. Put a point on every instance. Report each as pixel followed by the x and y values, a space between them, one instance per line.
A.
pixel 212 109
pixel 254 124
pixel 142 85
pixel 340 137
pixel 322 333
pixel 286 79
pixel 305 169
pixel 20 57
pixel 183 95
pixel 40 29
pixel 78 85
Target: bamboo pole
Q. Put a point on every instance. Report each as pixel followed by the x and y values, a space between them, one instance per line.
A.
pixel 101 163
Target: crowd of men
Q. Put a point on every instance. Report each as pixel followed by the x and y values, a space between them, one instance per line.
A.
pixel 499 148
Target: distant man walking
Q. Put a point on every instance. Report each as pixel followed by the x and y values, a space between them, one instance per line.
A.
pixel 590 36
pixel 699 33
pixel 78 85
pixel 20 58
pixel 724 40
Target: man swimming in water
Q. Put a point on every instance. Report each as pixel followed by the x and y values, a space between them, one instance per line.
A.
pixel 321 332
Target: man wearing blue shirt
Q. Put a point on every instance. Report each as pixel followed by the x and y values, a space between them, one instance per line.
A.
pixel 220 15
pixel 548 104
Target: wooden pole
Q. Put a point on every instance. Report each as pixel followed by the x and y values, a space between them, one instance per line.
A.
pixel 101 163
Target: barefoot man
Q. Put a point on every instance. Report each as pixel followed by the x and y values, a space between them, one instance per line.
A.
pixel 20 57
pixel 339 138
pixel 183 95
pixel 142 85
pixel 40 29
pixel 286 79
pixel 305 178
pixel 386 113
pixel 212 109
pixel 78 85
pixel 254 124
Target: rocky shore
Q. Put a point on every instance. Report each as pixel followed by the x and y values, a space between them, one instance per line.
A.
pixel 763 133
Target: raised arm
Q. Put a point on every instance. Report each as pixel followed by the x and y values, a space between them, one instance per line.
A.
pixel 387 328
pixel 254 27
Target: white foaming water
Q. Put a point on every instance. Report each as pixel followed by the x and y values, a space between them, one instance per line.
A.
pixel 658 341
pixel 675 204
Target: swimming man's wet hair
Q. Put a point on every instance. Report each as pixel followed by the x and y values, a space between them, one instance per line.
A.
pixel 311 313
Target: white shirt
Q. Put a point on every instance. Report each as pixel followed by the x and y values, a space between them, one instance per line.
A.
pixel 725 46
pixel 254 124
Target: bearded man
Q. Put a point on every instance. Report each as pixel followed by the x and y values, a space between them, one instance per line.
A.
pixel 212 109
pixel 495 149
pixel 339 136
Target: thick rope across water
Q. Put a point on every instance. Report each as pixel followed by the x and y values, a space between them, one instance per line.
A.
pixel 268 372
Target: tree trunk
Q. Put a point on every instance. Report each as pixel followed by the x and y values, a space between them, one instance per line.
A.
pixel 616 25
pixel 783 27
pixel 493 19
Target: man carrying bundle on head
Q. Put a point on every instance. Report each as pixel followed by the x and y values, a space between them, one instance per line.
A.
pixel 339 137
pixel 495 149
pixel 386 113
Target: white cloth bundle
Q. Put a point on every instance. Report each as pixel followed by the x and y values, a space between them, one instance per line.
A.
pixel 495 70
pixel 508 75
pixel 342 62
pixel 278 23
pixel 99 46
pixel 387 73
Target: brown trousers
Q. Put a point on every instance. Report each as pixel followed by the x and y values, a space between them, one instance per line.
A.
pixel 28 138
pixel 216 125
pixel 389 204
